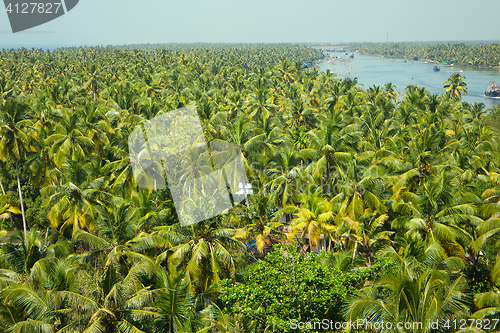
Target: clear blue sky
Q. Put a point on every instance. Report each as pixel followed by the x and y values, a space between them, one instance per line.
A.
pixel 103 22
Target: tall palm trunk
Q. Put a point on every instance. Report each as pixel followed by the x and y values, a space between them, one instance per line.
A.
pixel 354 252
pixel 94 89
pixel 368 255
pixel 328 189
pixel 1 185
pixel 22 203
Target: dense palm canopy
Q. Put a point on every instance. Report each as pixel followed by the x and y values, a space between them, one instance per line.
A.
pixel 408 178
pixel 421 288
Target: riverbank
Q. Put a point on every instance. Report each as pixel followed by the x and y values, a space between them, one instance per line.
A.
pixel 475 56
pixel 375 70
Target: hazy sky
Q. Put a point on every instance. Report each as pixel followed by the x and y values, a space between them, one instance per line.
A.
pixel 103 22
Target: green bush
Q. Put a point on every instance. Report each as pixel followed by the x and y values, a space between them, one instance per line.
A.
pixel 287 286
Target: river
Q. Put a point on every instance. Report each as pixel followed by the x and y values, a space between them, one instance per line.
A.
pixel 370 70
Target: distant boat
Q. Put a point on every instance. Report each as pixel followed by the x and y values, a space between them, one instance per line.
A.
pixel 493 90
pixel 351 56
pixel 436 69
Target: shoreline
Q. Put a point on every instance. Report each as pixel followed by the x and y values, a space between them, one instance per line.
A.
pixel 476 57
pixel 433 62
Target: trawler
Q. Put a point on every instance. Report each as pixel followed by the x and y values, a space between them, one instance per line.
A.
pixel 493 90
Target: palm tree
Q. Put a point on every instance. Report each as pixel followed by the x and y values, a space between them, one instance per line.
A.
pixel 439 213
pixel 235 324
pixel 260 105
pixel 488 304
pixel 7 210
pixel 258 221
pixel 116 227
pixel 68 141
pixel 330 146
pixel 75 202
pixel 21 256
pixel 202 249
pixel 311 219
pixel 286 175
pixel 455 86
pixel 299 115
pixel 94 81
pixel 421 288
pixel 107 302
pixel 27 309
pixel 369 233
pixel 175 304
pixel 29 299
pixel 14 121
pixel 390 92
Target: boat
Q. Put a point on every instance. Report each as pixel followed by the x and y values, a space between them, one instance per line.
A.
pixel 493 90
pixel 436 69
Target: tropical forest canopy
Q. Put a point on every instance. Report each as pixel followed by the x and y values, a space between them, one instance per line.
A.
pixel 399 190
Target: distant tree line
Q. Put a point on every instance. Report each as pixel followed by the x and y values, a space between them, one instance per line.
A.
pixel 470 55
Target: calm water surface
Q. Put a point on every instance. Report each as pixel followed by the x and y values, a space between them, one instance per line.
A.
pixel 371 71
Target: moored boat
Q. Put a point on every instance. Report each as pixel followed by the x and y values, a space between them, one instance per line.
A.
pixel 493 90
pixel 436 69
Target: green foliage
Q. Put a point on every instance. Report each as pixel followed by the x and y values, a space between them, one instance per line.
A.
pixel 37 213
pixel 288 286
pixel 493 118
pixel 400 190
